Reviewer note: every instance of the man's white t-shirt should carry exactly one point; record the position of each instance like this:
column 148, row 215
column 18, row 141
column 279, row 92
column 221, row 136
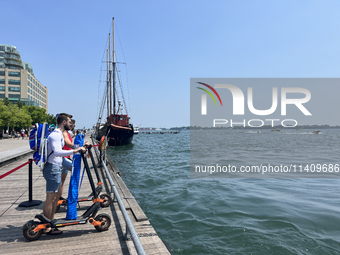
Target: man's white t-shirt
column 56, row 143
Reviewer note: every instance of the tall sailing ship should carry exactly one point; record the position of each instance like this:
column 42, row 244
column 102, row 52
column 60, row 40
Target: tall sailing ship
column 117, row 125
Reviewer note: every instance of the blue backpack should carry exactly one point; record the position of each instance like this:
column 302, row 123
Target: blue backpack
column 38, row 143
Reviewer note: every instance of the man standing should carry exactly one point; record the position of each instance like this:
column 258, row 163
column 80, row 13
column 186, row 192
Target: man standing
column 53, row 167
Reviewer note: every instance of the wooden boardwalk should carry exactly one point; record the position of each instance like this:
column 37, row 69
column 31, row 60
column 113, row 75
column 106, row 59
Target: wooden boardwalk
column 77, row 239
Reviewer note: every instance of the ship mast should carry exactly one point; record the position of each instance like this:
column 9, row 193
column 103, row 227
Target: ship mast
column 114, row 65
column 110, row 75
column 107, row 83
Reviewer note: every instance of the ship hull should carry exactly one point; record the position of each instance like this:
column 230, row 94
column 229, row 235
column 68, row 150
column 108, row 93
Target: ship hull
column 116, row 137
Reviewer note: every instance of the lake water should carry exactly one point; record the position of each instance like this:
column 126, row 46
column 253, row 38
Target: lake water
column 236, row 215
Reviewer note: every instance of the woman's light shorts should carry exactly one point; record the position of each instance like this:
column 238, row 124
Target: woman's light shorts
column 67, row 164
column 52, row 175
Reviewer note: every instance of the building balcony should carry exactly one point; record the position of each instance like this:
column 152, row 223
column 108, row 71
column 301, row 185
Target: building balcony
column 9, row 65
column 13, row 59
column 12, row 52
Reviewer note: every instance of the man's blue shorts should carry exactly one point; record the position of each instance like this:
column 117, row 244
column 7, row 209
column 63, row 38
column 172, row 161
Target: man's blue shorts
column 52, row 175
column 67, row 164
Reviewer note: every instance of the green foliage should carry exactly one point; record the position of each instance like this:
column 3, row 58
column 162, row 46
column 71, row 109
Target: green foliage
column 3, row 109
column 20, row 104
column 51, row 119
column 38, row 114
column 6, row 101
column 21, row 116
column 6, row 116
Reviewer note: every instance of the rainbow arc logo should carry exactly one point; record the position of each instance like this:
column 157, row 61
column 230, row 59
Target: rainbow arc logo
column 209, row 93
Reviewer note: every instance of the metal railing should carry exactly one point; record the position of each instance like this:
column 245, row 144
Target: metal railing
column 130, row 230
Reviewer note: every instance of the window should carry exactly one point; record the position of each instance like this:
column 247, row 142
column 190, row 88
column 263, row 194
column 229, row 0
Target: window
column 2, row 88
column 14, row 82
column 2, row 73
column 15, row 74
column 28, row 83
column 2, row 81
column 14, row 89
column 13, row 95
column 2, row 95
column 28, row 77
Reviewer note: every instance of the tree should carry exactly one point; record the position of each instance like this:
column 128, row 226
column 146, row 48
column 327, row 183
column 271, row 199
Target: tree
column 20, row 115
column 6, row 101
column 51, row 119
column 2, row 110
column 6, row 115
column 38, row 114
column 20, row 103
column 23, row 117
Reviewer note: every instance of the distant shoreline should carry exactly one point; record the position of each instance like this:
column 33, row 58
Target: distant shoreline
column 315, row 127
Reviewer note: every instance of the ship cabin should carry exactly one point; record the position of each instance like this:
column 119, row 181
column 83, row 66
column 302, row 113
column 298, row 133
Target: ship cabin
column 119, row 120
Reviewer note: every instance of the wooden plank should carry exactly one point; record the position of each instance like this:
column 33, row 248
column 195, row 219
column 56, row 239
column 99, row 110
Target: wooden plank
column 127, row 196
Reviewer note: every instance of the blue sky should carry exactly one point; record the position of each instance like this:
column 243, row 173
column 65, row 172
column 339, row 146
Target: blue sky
column 165, row 43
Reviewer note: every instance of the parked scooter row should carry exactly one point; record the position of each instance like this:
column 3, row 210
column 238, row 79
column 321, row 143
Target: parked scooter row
column 104, row 199
column 32, row 229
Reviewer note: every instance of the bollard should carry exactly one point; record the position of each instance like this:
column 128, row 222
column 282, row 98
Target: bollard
column 30, row 201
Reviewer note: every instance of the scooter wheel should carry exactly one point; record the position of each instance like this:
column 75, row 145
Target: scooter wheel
column 28, row 231
column 107, row 200
column 105, row 218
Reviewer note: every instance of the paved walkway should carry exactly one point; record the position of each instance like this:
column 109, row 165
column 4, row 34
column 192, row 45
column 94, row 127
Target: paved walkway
column 78, row 239
column 13, row 148
column 9, row 144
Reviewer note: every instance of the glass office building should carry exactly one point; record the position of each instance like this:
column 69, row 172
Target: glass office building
column 17, row 80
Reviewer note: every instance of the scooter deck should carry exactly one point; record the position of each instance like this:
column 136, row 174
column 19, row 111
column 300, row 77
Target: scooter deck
column 64, row 222
column 54, row 222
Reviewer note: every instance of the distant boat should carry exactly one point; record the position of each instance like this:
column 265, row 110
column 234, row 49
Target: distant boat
column 277, row 129
column 136, row 130
column 316, row 132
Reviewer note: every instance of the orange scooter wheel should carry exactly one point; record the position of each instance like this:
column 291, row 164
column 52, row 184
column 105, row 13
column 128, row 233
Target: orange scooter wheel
column 28, row 231
column 107, row 200
column 106, row 222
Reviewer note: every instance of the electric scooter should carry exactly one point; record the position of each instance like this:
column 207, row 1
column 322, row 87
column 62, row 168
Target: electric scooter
column 104, row 199
column 32, row 230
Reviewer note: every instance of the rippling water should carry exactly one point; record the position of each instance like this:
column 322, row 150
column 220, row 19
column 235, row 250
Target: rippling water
column 236, row 216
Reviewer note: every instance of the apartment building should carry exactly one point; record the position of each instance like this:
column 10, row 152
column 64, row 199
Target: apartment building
column 17, row 80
